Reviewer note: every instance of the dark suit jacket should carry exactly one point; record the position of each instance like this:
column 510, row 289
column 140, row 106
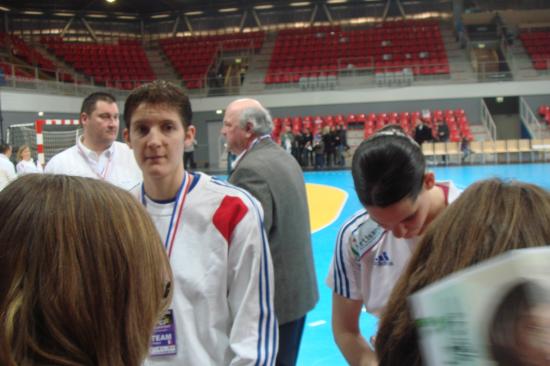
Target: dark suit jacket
column 274, row 177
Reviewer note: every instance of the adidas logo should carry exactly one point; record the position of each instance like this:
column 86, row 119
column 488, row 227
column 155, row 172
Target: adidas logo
column 383, row 260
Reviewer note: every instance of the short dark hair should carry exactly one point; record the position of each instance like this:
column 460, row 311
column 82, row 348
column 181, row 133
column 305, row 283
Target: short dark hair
column 4, row 147
column 159, row 92
column 89, row 103
column 388, row 167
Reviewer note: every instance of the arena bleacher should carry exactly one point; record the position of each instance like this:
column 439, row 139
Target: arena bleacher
column 385, row 56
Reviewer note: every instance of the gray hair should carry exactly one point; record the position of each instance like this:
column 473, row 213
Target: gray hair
column 260, row 119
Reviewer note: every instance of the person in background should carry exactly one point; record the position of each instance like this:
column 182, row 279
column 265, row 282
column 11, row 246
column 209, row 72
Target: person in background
column 488, row 219
column 189, row 154
column 222, row 312
column 7, row 170
column 272, row 176
column 422, row 132
column 287, row 140
column 25, row 164
column 96, row 154
column 373, row 247
column 83, row 275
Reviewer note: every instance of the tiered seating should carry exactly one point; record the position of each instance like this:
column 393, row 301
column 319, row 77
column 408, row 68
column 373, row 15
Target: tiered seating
column 457, row 121
column 123, row 65
column 16, row 46
column 192, row 57
column 537, row 45
column 389, row 47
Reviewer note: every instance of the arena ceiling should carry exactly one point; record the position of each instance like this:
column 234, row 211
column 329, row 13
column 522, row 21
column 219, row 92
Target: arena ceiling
column 148, row 7
column 144, row 7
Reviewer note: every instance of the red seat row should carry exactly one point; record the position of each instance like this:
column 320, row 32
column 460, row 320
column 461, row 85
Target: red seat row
column 537, row 45
column 388, row 47
column 456, row 120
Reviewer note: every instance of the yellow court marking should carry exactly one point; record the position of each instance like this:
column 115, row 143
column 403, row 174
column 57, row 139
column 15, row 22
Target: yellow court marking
column 325, row 204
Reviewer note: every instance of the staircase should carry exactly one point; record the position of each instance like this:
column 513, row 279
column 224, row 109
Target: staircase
column 257, row 66
column 160, row 65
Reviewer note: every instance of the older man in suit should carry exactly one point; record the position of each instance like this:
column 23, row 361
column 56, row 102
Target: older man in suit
column 272, row 176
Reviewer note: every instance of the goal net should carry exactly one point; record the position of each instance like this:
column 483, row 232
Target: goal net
column 46, row 137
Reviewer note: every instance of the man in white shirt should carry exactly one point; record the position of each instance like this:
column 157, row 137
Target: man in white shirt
column 96, row 154
column 7, row 169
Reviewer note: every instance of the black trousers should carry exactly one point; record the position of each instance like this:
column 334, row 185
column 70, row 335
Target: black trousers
column 290, row 336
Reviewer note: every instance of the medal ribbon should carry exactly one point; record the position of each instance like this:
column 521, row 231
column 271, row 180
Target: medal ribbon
column 176, row 212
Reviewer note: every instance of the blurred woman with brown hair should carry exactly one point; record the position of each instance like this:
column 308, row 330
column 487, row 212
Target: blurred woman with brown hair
column 489, row 218
column 83, row 274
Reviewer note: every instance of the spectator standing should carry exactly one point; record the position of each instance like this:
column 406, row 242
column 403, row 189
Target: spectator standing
column 422, row 132
column 222, row 311
column 287, row 140
column 96, row 154
column 373, row 247
column 276, row 180
column 189, row 154
column 307, row 148
column 26, row 165
column 7, row 170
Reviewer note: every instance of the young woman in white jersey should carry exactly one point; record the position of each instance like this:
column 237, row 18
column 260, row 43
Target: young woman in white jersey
column 222, row 312
column 373, row 247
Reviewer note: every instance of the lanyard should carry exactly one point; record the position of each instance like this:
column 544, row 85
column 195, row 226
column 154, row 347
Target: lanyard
column 105, row 172
column 177, row 212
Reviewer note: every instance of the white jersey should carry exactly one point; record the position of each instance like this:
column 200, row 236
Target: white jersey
column 116, row 165
column 223, row 291
column 7, row 171
column 28, row 167
column 368, row 260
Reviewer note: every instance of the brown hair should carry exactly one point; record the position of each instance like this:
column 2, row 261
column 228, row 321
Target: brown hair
column 89, row 103
column 83, row 273
column 22, row 148
column 159, row 92
column 489, row 218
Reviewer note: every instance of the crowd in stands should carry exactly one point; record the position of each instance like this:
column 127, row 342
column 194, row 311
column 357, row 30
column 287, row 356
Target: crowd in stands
column 313, row 142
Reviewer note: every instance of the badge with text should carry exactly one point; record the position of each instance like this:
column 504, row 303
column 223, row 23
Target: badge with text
column 365, row 238
column 163, row 340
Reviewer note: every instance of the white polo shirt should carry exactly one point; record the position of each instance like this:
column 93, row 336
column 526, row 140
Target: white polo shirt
column 115, row 165
column 7, row 171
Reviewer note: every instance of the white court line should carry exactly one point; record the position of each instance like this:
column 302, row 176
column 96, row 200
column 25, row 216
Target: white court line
column 317, row 323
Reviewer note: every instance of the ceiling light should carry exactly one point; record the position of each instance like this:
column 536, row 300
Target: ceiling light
column 219, row 111
column 227, row 10
column 300, row 3
column 127, row 17
column 3, row 8
column 265, row 6
column 96, row 15
column 40, row 114
column 198, row 12
column 160, row 16
column 33, row 12
column 110, row 1
column 63, row 14
column 336, row 1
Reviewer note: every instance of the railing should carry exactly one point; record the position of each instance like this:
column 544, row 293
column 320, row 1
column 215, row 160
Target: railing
column 487, row 121
column 529, row 119
column 344, row 77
